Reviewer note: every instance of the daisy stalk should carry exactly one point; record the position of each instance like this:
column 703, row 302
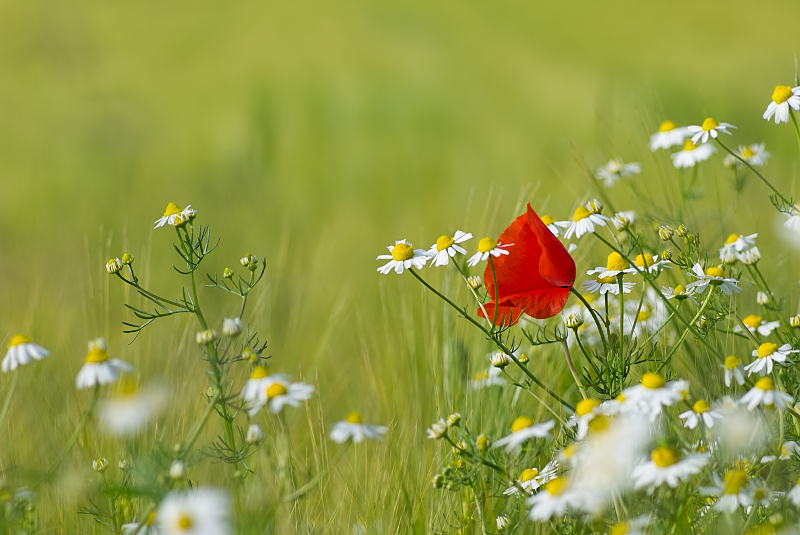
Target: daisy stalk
column 753, row 169
column 9, row 394
column 796, row 127
column 686, row 331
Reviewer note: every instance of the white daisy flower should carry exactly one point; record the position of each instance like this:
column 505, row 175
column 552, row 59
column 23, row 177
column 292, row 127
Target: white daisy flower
column 260, row 380
column 176, row 216
column 194, row 512
column 730, row 491
column 756, row 155
column 793, row 223
column 614, row 170
column 794, row 494
column 486, row 247
column 669, row 135
column 590, row 414
column 623, row 220
column 438, row 429
column 692, row 154
column 531, row 479
column 281, row 393
column 607, row 285
column 650, row 263
column 733, row 370
column 128, row 410
column 735, row 245
column 679, row 292
column 767, row 355
column 446, row 248
column 148, row 527
column 232, row 326
column 750, row 256
column 755, row 324
column 615, row 265
column 353, row 428
column 557, row 498
column 788, row 449
column 554, row 226
column 523, row 429
column 654, row 393
column 783, row 98
column 403, row 256
column 764, row 393
column 667, row 467
column 177, row 470
column 488, row 377
column 583, row 221
column 21, row 350
column 714, row 276
column 701, row 412
column 254, row 434
column 634, row 526
column 709, row 128
column 98, row 368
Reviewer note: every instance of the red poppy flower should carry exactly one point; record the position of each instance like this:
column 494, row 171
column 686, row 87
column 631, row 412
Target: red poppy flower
column 534, row 278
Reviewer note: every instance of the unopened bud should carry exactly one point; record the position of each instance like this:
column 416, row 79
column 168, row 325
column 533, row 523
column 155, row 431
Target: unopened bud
column 665, row 233
column 573, row 321
column 454, row 419
column 114, row 266
column 100, row 464
column 683, row 231
column 794, row 321
column 482, row 443
column 523, row 358
column 474, row 282
column 500, row 360
column 438, row 481
column 231, row 326
column 177, row 470
column 123, row 465
column 206, row 337
column 228, row 273
column 249, row 354
column 254, row 434
column 127, row 259
column 250, row 261
column 666, row 255
column 594, row 206
column 762, row 298
column 460, row 448
column 211, row 392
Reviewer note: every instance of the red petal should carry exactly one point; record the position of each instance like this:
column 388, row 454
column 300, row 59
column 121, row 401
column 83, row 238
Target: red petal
column 556, row 265
column 507, row 314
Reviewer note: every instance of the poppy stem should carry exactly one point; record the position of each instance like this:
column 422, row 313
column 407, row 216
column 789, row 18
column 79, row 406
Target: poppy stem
column 595, row 316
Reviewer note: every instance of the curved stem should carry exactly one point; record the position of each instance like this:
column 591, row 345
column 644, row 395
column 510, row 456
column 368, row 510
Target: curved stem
column 686, row 331
column 595, row 316
column 7, row 403
column 753, row 169
column 572, row 370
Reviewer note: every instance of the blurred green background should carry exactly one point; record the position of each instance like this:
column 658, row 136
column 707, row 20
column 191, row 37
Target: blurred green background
column 316, row 133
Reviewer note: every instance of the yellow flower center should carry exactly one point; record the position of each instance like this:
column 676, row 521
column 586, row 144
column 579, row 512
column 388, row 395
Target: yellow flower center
column 759, row 494
column 444, row 242
column 570, row 450
column 125, row 389
column 731, row 362
column 528, row 474
column 479, row 376
column 732, row 238
column 767, row 349
column 581, row 213
column 644, row 315
column 184, row 523
column 781, row 94
column 402, row 251
column 752, row 321
column 259, row 372
column 520, row 423
column 621, row 398
column 96, row 356
column 664, row 457
column 680, row 290
column 150, row 519
column 715, row 272
column 585, row 406
column 666, row 126
column 644, row 260
column 276, row 389
column 653, row 381
column 765, row 383
column 709, row 124
column 701, row 406
column 486, row 245
column 734, row 481
column 598, row 423
column 172, row 209
column 616, row 262
column 688, row 146
column 19, row 339
column 607, row 280
column 556, row 486
column 618, row 529
column 547, row 220
column 748, row 153
column 354, row 418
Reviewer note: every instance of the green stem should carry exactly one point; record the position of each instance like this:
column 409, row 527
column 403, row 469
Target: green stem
column 496, row 296
column 572, row 370
column 753, row 169
column 9, row 394
column 686, row 331
column 796, row 128
column 594, row 315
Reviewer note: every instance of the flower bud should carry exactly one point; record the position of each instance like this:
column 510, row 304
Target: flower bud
column 438, row 481
column 211, row 392
column 254, row 434
column 177, row 470
column 503, row 523
column 206, row 337
column 474, row 282
column 762, row 298
column 127, row 259
column 123, row 465
column 794, row 321
column 100, row 464
column 523, row 358
column 232, row 327
column 683, row 231
column 250, row 261
column 665, row 233
column 114, row 266
column 666, row 255
column 500, row 360
column 594, row 206
column 482, row 443
column 459, row 448
column 573, row 321
column 249, row 354
column 454, row 419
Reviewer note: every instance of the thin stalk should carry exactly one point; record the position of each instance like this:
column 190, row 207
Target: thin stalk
column 746, row 329
column 573, row 371
column 302, row 491
column 9, row 394
column 753, row 169
column 496, row 295
column 796, row 128
column 686, row 331
column 595, row 315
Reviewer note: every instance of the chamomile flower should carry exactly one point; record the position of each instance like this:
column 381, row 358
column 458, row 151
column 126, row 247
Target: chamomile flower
column 623, row 220
column 176, row 216
column 128, row 410
column 614, row 170
column 731, row 491
column 553, row 225
column 531, row 479
column 751, row 256
column 653, row 393
column 794, row 494
column 148, row 527
column 260, row 380
column 709, row 128
column 783, row 98
column 589, row 415
column 680, row 293
column 557, row 498
column 607, row 285
column 701, row 412
column 583, row 221
column 487, row 378
column 714, row 276
column 194, row 512
column 615, row 265
column 446, row 248
column 98, row 368
column 755, row 324
column 793, row 223
column 767, row 355
column 503, row 523
column 788, row 449
column 666, row 466
column 280, row 394
column 21, row 351
column 650, row 263
column 486, row 247
column 402, row 257
column 634, row 526
column 353, row 428
column 669, row 135
column 764, row 393
column 232, row 326
column 254, row 434
column 438, row 429
column 735, row 245
column 692, row 154
column 755, row 154
column 523, row 429
column 733, row 370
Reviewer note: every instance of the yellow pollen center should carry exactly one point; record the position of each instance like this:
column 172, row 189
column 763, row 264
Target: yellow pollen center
column 486, row 245
column 556, row 486
column 748, row 153
column 598, row 423
column 581, row 213
column 666, row 126
column 521, row 422
column 618, row 529
column 585, row 406
column 96, row 356
column 402, row 251
column 732, row 238
column 765, row 383
column 734, row 481
column 18, row 339
column 680, row 290
column 701, row 406
column 547, row 220
column 652, row 381
column 275, row 390
column 709, row 124
column 444, row 242
column 781, row 94
column 479, row 376
column 172, row 209
column 752, row 321
column 354, row 418
column 767, row 349
column 607, row 280
column 664, row 457
column 616, row 262
column 759, row 494
column 184, row 522
column 688, row 146
column 259, row 372
column 644, row 315
column 528, row 474
column 715, row 272
column 731, row 362
column 644, row 260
